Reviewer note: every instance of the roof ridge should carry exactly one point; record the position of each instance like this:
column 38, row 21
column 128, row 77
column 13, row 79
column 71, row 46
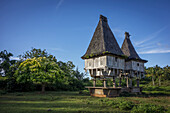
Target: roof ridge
column 102, row 32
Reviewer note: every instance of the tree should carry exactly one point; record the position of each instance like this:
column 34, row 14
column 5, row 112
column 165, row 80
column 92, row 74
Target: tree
column 37, row 53
column 78, row 75
column 5, row 62
column 39, row 70
column 151, row 73
column 67, row 68
column 166, row 73
column 159, row 73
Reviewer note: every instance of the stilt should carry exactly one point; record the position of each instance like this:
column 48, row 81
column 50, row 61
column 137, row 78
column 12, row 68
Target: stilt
column 130, row 82
column 127, row 82
column 114, row 83
column 94, row 82
column 137, row 80
column 104, row 82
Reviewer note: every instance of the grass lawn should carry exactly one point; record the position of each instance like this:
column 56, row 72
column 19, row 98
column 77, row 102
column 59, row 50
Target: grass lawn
column 67, row 101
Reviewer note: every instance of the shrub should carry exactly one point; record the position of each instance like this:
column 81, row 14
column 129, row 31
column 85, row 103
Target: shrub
column 123, row 105
column 148, row 108
column 86, row 92
column 126, row 105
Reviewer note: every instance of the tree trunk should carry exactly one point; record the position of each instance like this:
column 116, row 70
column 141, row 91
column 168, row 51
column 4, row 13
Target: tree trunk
column 160, row 81
column 153, row 82
column 43, row 88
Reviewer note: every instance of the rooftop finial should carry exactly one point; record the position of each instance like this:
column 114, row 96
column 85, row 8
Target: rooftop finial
column 127, row 35
column 103, row 18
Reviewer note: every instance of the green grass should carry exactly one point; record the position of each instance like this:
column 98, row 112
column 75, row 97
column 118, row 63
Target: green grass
column 67, row 101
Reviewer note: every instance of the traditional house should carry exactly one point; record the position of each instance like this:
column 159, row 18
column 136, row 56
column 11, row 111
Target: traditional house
column 134, row 65
column 104, row 59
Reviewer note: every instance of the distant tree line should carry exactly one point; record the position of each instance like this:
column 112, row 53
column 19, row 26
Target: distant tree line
column 38, row 70
column 158, row 74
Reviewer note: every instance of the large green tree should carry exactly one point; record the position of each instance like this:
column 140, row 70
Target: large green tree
column 39, row 70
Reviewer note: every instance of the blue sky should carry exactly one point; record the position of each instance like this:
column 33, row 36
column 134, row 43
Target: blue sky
column 65, row 27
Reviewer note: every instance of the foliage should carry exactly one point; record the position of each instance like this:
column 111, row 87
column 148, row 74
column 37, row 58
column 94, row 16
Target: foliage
column 37, row 53
column 126, row 105
column 38, row 70
column 158, row 74
column 85, row 92
column 148, row 108
column 5, row 62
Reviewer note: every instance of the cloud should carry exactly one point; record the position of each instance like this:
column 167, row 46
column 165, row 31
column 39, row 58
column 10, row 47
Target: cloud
column 119, row 32
column 149, row 38
column 152, row 45
column 155, row 51
column 14, row 58
column 59, row 4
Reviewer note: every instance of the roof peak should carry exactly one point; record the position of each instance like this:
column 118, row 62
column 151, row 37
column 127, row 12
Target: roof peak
column 127, row 35
column 103, row 18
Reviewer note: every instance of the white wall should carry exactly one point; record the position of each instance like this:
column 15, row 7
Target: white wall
column 138, row 66
column 112, row 63
column 98, row 62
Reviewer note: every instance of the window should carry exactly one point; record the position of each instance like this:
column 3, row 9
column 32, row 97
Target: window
column 137, row 64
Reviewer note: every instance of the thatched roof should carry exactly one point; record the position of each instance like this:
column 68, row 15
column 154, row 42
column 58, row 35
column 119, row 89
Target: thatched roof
column 103, row 41
column 128, row 49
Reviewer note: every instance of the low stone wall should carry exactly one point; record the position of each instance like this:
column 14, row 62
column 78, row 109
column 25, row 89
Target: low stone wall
column 132, row 89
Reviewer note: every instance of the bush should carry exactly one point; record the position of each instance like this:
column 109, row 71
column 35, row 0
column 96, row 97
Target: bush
column 148, row 108
column 126, row 105
column 112, row 103
column 86, row 92
column 121, row 104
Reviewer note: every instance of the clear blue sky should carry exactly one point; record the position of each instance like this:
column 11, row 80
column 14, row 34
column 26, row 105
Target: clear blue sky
column 65, row 27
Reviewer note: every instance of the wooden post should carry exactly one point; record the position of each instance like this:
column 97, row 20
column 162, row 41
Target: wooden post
column 137, row 80
column 130, row 82
column 114, row 84
column 127, row 81
column 94, row 82
column 104, row 82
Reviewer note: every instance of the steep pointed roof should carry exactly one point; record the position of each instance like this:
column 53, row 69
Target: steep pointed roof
column 128, row 49
column 103, row 41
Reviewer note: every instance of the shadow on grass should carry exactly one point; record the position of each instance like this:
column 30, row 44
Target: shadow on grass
column 57, row 106
column 156, row 89
column 145, row 95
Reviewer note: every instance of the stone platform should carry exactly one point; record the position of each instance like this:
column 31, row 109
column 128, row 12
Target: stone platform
column 104, row 91
column 111, row 91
